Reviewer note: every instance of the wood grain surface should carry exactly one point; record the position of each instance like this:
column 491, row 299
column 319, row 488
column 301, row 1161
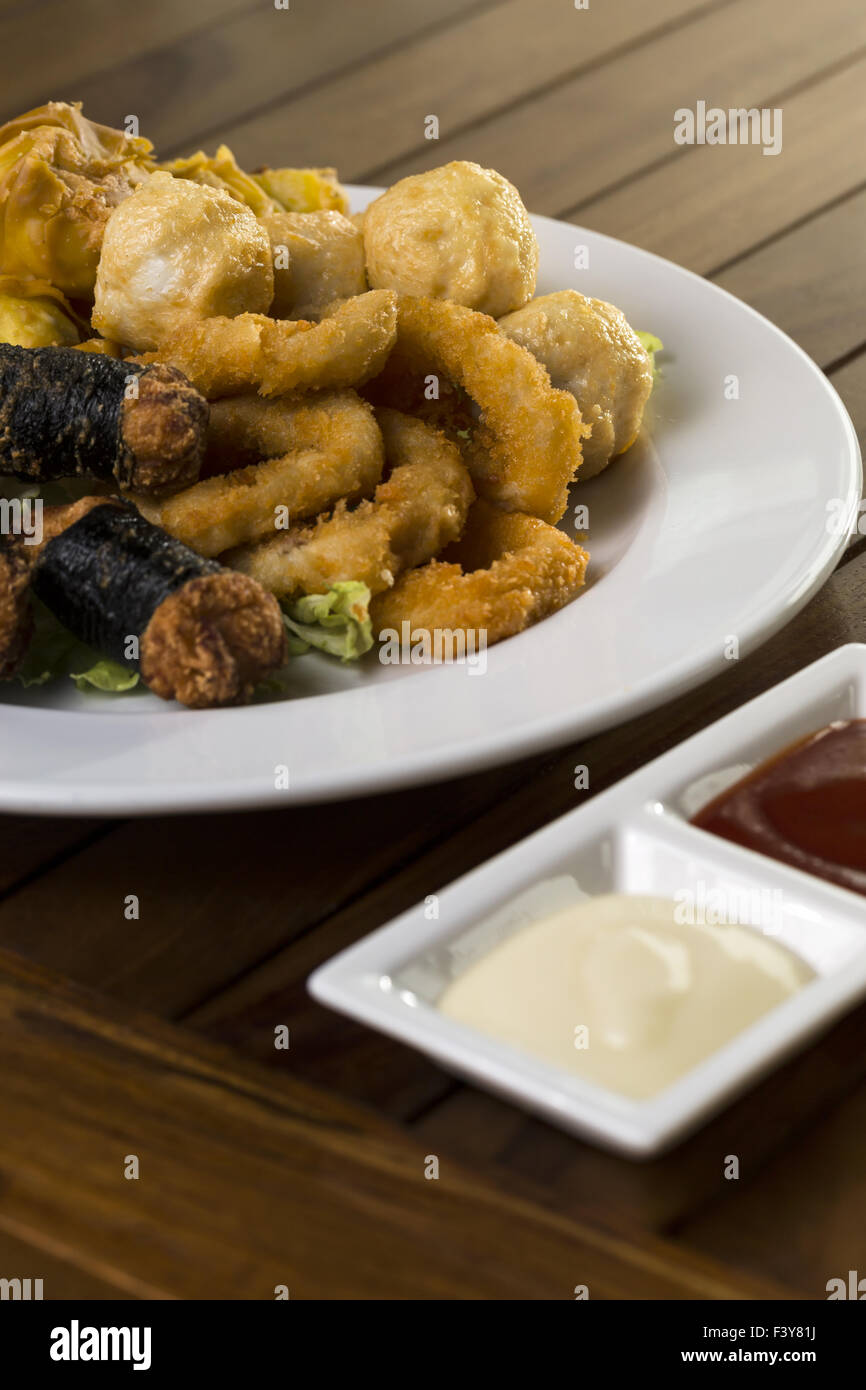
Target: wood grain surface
column 261, row 1167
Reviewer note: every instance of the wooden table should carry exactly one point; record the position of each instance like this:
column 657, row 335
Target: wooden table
column 261, row 1167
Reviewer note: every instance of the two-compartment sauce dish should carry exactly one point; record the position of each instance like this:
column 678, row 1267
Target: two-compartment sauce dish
column 629, row 968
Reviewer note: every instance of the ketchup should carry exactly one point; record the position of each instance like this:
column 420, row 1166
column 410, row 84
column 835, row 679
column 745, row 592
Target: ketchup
column 805, row 807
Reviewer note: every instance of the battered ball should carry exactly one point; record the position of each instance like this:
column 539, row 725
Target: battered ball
column 460, row 233
column 590, row 350
column 325, row 261
column 175, row 251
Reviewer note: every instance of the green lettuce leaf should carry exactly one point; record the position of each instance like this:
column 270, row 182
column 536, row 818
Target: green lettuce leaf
column 110, row 676
column 49, row 649
column 652, row 345
column 55, row 652
column 337, row 622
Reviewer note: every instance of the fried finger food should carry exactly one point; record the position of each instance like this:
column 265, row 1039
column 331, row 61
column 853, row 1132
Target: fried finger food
column 303, row 190
column 206, row 636
column 421, row 507
column 314, row 453
column 506, row 572
column 65, row 413
column 61, row 177
column 526, row 449
column 459, row 232
column 236, row 317
column 35, row 314
column 267, row 190
column 318, row 258
column 16, row 617
column 223, row 356
column 175, row 252
column 589, row 349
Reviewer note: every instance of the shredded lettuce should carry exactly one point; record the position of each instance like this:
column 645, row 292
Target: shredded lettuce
column 337, row 622
column 652, row 345
column 55, row 652
column 110, row 676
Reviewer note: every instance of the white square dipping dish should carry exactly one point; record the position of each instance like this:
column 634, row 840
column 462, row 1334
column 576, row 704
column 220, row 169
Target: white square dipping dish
column 633, row 838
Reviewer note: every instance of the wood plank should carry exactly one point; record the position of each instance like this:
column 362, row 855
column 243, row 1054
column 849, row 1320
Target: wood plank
column 187, row 90
column 30, row 844
column 729, row 198
column 850, row 382
column 220, row 893
column 812, row 281
column 47, row 52
column 765, row 1129
column 329, row 1051
column 819, row 1187
column 61, row 1276
column 584, row 136
column 526, row 44
column 243, row 1186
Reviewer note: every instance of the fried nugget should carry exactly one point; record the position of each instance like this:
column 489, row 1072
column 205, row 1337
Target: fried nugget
column 590, row 350
column 421, row 507
column 223, row 356
column 506, row 572
column 526, row 449
column 459, row 232
column 313, row 453
column 175, row 252
column 325, row 261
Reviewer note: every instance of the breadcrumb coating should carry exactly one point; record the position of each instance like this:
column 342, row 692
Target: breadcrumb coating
column 421, row 507
column 506, row 572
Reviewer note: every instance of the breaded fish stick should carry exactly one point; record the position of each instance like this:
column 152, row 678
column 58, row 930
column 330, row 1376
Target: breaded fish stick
column 421, row 507
column 222, row 356
column 527, row 448
column 329, row 448
column 506, row 572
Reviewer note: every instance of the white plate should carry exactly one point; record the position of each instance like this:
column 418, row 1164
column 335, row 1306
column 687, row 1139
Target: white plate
column 633, row 838
column 713, row 527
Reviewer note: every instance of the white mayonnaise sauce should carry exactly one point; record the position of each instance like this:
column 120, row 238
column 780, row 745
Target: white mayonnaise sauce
column 617, row 991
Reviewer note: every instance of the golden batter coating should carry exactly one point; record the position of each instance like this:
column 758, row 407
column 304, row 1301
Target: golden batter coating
column 325, row 253
column 526, row 449
column 174, row 252
column 163, row 430
column 590, row 350
column 421, row 507
column 223, row 356
column 506, row 572
column 211, row 642
column 459, row 232
column 312, row 451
